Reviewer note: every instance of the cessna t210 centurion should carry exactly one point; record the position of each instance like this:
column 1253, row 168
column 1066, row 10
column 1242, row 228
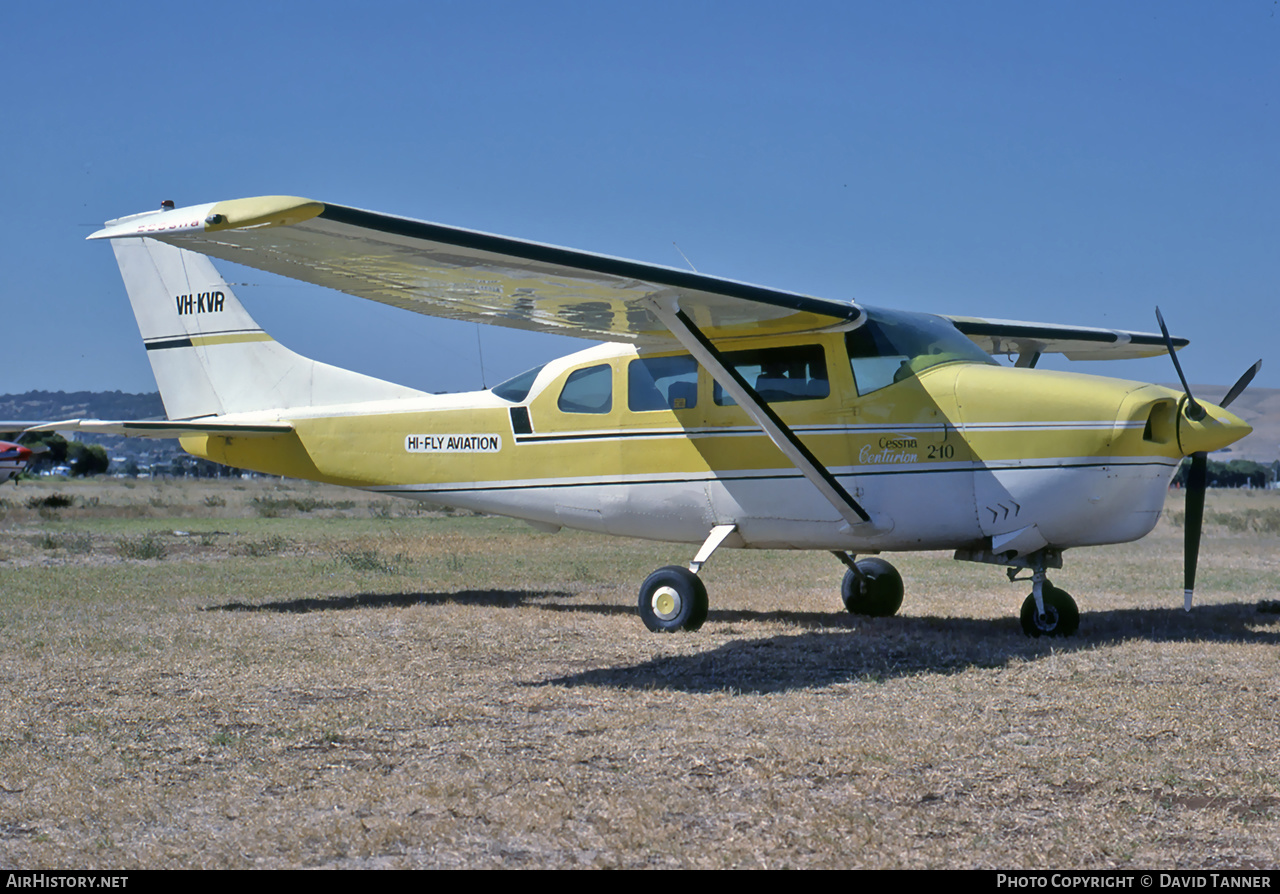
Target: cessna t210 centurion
column 717, row 413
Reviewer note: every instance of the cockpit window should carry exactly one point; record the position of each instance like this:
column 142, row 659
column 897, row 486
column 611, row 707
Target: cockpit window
column 895, row 345
column 517, row 389
column 588, row 390
column 798, row 372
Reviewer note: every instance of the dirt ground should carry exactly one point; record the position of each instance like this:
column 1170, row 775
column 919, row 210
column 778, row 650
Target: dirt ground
column 266, row 674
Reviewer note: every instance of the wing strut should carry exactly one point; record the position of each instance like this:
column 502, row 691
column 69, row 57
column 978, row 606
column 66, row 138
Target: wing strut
column 697, row 344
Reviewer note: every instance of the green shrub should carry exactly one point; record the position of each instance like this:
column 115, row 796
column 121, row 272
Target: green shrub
column 148, row 546
column 271, row 546
column 369, row 560
column 79, row 543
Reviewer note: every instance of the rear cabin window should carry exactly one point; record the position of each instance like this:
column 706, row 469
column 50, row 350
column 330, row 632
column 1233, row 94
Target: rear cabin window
column 588, row 390
column 780, row 374
column 662, row 383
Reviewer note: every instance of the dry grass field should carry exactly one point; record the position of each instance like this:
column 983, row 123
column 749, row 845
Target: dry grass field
column 258, row 674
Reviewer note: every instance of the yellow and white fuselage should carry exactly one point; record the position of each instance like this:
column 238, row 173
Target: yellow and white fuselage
column 959, row 455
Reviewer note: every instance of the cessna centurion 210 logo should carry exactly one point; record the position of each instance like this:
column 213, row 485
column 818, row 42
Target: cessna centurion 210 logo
column 892, row 449
column 453, row 443
column 200, row 303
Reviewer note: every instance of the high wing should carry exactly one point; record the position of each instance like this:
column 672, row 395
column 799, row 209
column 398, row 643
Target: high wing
column 1076, row 342
column 467, row 275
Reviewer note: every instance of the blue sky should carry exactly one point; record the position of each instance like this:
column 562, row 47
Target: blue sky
column 1060, row 162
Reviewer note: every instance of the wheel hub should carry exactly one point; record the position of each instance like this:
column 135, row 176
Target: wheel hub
column 1049, row 620
column 666, row 603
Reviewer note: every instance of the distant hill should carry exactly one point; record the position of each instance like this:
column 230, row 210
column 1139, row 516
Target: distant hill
column 53, row 405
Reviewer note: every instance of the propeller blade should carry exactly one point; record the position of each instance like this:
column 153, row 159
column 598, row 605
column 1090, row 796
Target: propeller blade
column 1242, row 383
column 1194, row 410
column 1197, row 481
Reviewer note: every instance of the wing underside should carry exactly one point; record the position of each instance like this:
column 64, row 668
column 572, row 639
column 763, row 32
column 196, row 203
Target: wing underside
column 467, row 275
column 1076, row 342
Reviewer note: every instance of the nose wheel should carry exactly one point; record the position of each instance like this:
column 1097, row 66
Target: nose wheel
column 1059, row 618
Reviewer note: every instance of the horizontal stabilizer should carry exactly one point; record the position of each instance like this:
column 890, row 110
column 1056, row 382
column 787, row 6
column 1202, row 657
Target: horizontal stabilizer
column 168, row 428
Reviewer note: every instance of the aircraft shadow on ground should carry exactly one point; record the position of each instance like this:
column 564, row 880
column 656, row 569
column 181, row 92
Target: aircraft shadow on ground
column 835, row 647
column 847, row 649
column 489, row 598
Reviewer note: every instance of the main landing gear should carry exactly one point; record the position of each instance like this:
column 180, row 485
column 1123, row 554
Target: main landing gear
column 870, row 587
column 671, row 599
column 674, row 598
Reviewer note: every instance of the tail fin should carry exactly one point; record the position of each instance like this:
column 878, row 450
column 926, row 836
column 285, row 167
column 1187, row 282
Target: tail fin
column 208, row 355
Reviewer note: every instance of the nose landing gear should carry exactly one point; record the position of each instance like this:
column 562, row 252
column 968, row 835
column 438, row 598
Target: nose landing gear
column 1049, row 611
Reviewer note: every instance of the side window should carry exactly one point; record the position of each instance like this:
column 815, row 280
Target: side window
column 780, row 374
column 662, row 383
column 588, row 390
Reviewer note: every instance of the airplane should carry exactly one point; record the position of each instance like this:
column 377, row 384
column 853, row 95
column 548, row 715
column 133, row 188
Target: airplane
column 716, row 413
column 13, row 460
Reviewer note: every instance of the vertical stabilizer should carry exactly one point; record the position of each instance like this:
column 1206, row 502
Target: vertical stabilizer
column 208, row 355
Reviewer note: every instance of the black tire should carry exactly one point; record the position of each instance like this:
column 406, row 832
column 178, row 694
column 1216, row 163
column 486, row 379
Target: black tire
column 1061, row 616
column 882, row 595
column 671, row 599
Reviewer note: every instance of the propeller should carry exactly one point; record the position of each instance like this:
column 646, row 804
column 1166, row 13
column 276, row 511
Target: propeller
column 1198, row 474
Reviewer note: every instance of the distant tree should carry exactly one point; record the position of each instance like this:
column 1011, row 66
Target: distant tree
column 87, row 459
column 1243, row 473
column 1236, row 473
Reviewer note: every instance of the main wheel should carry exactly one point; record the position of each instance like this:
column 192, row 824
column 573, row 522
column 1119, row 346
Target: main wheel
column 673, row 598
column 1060, row 618
column 880, row 597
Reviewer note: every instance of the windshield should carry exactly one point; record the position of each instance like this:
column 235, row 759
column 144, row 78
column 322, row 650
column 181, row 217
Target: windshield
column 894, row 345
